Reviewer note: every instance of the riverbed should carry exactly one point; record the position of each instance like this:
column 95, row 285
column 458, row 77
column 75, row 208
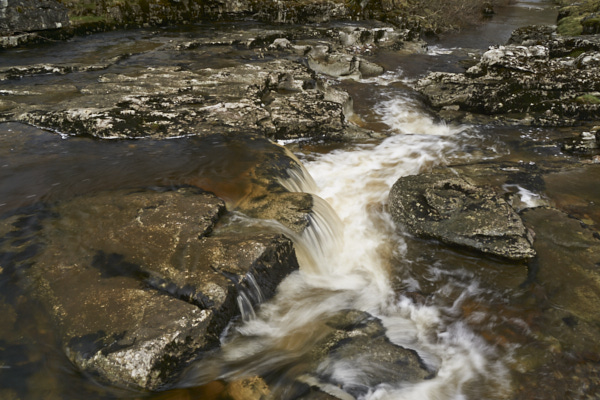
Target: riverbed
column 489, row 328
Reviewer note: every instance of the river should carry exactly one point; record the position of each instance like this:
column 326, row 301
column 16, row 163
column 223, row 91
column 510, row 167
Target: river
column 471, row 319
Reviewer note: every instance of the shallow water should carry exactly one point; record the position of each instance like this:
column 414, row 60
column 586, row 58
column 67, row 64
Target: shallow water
column 479, row 323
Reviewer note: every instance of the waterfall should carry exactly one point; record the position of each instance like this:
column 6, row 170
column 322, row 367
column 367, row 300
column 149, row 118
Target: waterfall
column 249, row 297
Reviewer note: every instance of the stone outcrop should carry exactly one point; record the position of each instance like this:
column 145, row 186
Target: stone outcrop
column 456, row 212
column 137, row 13
column 29, row 21
column 577, row 18
column 300, row 11
column 137, row 282
column 20, row 16
column 281, row 93
column 538, row 79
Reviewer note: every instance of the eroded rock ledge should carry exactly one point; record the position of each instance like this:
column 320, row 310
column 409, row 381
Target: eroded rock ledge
column 275, row 88
column 267, row 98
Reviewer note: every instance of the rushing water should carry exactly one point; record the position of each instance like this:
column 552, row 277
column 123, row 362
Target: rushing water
column 456, row 310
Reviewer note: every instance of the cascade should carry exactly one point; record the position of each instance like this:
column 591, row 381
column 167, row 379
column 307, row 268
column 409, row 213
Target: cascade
column 346, row 256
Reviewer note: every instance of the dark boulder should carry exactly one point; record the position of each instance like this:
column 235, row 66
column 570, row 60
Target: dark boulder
column 456, row 212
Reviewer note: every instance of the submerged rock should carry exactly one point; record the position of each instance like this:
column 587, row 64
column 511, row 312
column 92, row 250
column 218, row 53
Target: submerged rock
column 456, row 212
column 565, row 284
column 138, row 283
column 567, row 247
column 356, row 356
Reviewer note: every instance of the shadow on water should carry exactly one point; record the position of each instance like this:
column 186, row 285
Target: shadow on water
column 40, row 166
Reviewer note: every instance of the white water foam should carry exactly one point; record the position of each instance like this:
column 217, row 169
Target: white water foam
column 404, row 114
column 436, row 50
column 526, row 198
column 356, row 183
column 385, row 79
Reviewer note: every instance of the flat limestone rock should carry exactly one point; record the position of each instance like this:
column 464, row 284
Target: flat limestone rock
column 456, row 212
column 137, row 282
column 121, row 331
column 278, row 99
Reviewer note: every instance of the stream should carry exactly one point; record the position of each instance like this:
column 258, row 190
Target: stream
column 479, row 322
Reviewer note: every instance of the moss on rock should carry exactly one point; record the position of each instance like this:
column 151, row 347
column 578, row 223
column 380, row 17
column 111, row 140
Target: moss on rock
column 588, row 99
column 576, row 18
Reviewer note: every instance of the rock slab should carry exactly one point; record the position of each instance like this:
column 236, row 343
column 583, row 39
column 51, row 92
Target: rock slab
column 137, row 282
column 537, row 79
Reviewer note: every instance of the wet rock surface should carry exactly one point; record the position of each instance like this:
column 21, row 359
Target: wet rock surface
column 568, row 323
column 358, row 345
column 136, row 282
column 175, row 101
column 538, row 79
column 165, row 291
column 456, row 212
column 272, row 82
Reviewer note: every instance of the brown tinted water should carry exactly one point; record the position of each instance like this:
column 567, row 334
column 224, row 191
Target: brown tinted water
column 496, row 329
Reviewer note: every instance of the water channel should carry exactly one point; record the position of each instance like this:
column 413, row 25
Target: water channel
column 474, row 320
